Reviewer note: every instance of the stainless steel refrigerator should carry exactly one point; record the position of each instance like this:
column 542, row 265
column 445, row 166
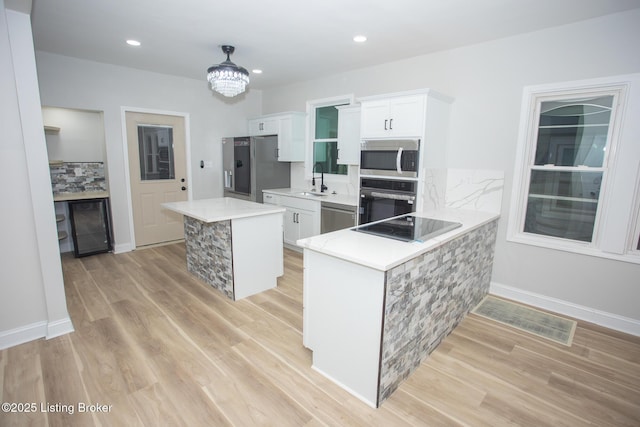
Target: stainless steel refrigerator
column 250, row 165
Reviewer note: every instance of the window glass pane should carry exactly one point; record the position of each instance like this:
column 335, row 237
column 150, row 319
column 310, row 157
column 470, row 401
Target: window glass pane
column 326, row 122
column 573, row 132
column 563, row 204
column 155, row 149
column 325, row 155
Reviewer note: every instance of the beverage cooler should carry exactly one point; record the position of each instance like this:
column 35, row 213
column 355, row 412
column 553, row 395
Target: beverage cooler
column 90, row 226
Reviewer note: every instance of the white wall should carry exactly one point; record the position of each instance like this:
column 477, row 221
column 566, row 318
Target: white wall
column 81, row 135
column 486, row 81
column 73, row 83
column 32, row 298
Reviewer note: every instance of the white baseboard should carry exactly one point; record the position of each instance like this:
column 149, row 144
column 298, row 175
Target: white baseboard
column 35, row 331
column 348, row 389
column 602, row 318
column 122, row 248
column 22, row 334
column 59, row 327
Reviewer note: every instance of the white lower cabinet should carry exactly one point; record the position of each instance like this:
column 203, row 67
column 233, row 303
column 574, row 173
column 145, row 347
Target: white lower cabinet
column 343, row 305
column 298, row 225
column 302, row 218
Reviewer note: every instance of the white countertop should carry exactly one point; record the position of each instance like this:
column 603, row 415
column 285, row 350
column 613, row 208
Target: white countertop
column 343, row 199
column 382, row 253
column 221, row 209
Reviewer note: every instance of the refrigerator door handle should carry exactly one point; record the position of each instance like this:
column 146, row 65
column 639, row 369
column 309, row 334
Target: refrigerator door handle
column 228, row 179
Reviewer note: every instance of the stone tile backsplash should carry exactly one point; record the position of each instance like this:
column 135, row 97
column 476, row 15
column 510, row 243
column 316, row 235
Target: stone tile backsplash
column 209, row 254
column 427, row 297
column 77, row 177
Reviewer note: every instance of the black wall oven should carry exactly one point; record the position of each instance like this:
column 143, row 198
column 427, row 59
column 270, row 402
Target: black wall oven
column 394, row 158
column 385, row 198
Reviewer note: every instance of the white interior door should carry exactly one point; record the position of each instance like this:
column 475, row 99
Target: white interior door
column 157, row 170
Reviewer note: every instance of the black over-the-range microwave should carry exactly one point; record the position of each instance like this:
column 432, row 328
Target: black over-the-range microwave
column 393, row 158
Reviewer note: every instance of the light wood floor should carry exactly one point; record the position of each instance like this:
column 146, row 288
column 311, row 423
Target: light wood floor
column 162, row 348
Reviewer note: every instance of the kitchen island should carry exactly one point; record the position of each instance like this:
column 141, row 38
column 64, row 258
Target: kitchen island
column 233, row 245
column 375, row 307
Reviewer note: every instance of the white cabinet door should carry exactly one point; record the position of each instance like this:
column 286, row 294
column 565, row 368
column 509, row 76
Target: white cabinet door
column 291, row 137
column 348, row 135
column 291, row 228
column 302, row 218
column 263, row 126
column 395, row 117
column 306, row 225
column 290, row 128
column 407, row 115
column 374, row 119
column 298, row 224
column 286, row 142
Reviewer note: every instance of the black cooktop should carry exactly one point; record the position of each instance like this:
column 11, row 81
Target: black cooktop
column 409, row 228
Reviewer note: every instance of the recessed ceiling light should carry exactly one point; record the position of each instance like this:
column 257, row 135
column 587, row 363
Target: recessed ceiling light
column 133, row 42
column 360, row 39
column 256, row 71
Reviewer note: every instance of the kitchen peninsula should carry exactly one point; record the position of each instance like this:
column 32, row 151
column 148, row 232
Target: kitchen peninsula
column 375, row 307
column 233, row 245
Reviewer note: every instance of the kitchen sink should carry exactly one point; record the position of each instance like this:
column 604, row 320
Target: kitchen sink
column 309, row 193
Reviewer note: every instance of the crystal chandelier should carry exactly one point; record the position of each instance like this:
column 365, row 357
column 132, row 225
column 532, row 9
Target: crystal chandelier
column 227, row 78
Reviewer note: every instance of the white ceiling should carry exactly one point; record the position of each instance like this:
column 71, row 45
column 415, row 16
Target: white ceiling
column 291, row 40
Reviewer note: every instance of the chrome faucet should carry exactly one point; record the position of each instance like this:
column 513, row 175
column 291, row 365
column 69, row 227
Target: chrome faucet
column 313, row 177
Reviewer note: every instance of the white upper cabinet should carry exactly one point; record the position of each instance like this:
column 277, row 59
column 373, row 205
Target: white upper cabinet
column 348, row 135
column 401, row 116
column 263, row 126
column 290, row 128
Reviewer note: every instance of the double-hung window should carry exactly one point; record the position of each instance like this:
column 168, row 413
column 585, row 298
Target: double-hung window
column 567, row 166
column 325, row 141
column 569, row 193
column 324, row 135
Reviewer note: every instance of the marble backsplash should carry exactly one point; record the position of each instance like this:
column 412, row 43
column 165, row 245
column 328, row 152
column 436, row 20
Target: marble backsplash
column 472, row 189
column 77, row 177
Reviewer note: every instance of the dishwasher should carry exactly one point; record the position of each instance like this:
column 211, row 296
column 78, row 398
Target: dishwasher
column 336, row 216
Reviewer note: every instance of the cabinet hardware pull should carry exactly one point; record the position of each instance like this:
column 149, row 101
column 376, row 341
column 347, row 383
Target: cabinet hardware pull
column 390, row 124
column 385, row 124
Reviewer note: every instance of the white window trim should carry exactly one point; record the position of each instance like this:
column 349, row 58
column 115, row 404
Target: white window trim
column 311, row 119
column 615, row 229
